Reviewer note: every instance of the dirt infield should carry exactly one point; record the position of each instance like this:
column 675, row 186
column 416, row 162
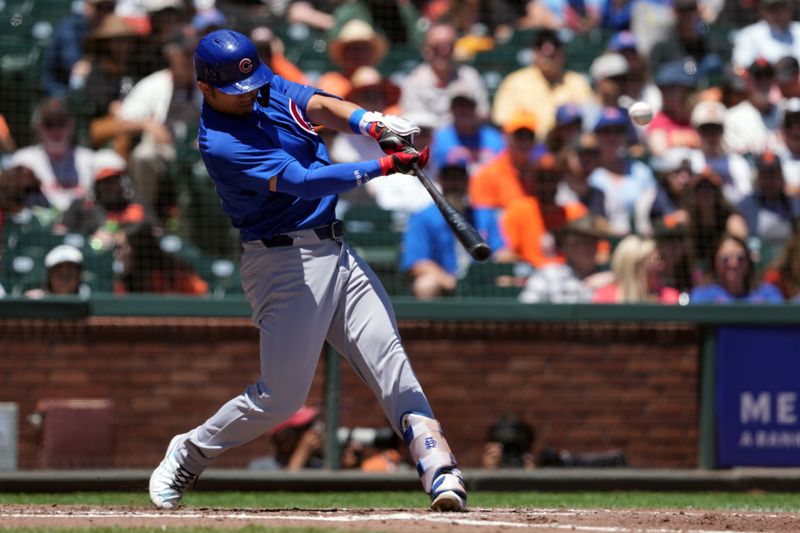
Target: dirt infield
column 386, row 520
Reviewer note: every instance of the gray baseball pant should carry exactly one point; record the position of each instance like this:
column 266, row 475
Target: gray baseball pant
column 302, row 295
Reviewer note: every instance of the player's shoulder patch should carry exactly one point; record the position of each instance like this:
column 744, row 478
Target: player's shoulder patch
column 299, row 118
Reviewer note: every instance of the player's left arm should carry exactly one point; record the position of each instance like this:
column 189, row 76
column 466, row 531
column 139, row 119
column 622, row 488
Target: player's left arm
column 393, row 134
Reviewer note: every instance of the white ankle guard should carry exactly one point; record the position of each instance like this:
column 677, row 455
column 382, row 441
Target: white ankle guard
column 428, row 447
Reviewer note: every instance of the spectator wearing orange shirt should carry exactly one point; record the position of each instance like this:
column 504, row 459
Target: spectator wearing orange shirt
column 529, row 222
column 495, row 185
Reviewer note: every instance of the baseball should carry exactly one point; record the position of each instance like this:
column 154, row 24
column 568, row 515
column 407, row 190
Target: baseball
column 641, row 113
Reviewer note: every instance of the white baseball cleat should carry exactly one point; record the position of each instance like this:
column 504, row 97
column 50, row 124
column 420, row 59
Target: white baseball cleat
column 170, row 479
column 448, row 493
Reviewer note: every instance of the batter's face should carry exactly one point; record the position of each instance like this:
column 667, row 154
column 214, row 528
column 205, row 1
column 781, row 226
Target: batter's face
column 232, row 104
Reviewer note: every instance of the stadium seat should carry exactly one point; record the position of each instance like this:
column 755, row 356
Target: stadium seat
column 491, row 280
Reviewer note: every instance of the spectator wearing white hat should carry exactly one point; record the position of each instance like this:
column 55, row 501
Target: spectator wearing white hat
column 708, row 118
column 64, row 265
column 609, row 72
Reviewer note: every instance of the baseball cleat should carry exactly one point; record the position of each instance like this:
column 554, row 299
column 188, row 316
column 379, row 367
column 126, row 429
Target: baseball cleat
column 449, row 493
column 170, row 479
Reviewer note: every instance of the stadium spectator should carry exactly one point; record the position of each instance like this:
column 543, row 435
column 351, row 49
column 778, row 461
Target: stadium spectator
column 64, row 265
column 207, row 20
column 790, row 151
column 616, row 14
column 775, row 36
column 675, row 249
column 784, row 271
column 787, row 75
column 496, row 184
column 64, row 169
column 638, row 275
column 609, row 72
column 20, row 193
column 568, row 126
column 431, row 256
column 671, row 127
column 7, row 143
column 771, row 215
column 146, row 267
column 270, row 50
column 734, row 277
column 691, row 40
column 109, row 208
column 425, row 88
column 663, row 206
column 528, row 223
column 164, row 18
column 546, row 79
column 355, row 45
column 108, row 71
column 710, row 216
column 572, row 280
column 314, row 13
column 752, row 126
column 578, row 160
column 580, row 17
column 708, row 118
column 398, row 21
column 621, row 179
column 509, row 444
column 638, row 85
column 469, row 140
column 163, row 112
column 297, row 443
column 66, row 45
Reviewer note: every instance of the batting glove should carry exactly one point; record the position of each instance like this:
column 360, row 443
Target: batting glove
column 402, row 162
column 393, row 134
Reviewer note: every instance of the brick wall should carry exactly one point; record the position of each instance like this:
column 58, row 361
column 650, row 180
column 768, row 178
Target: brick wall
column 583, row 387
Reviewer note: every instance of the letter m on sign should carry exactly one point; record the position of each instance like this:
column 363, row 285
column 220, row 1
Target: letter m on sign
column 754, row 409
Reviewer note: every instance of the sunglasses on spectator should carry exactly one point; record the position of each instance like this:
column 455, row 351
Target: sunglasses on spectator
column 54, row 123
column 710, row 128
column 729, row 259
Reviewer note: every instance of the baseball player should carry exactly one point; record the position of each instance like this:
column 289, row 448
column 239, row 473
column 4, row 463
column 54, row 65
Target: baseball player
column 305, row 285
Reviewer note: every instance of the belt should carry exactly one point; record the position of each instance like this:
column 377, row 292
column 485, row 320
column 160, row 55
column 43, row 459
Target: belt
column 331, row 231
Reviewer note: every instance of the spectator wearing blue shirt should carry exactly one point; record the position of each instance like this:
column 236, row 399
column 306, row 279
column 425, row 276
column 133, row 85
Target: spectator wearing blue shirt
column 734, row 274
column 66, row 46
column 469, row 140
column 431, row 255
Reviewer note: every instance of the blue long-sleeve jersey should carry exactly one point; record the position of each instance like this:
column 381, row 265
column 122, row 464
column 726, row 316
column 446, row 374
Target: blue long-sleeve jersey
column 271, row 169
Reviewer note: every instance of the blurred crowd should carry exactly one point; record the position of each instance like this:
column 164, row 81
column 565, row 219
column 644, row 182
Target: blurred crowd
column 578, row 203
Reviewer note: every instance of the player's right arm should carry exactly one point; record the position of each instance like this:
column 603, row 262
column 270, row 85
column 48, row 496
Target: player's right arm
column 251, row 162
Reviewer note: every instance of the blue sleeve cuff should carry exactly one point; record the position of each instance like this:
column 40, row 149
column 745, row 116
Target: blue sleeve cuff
column 355, row 120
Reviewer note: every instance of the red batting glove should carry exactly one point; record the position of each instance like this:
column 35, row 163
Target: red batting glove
column 390, row 141
column 401, row 162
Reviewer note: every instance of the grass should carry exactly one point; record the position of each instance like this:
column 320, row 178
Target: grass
column 756, row 502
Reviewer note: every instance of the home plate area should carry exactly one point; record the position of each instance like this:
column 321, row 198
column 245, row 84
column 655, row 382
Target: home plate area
column 540, row 520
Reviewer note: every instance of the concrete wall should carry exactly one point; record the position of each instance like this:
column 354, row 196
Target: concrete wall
column 584, row 387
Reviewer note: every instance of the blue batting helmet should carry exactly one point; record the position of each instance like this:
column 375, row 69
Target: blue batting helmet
column 229, row 61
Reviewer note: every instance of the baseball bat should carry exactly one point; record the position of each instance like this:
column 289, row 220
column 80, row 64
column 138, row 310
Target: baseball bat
column 463, row 230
